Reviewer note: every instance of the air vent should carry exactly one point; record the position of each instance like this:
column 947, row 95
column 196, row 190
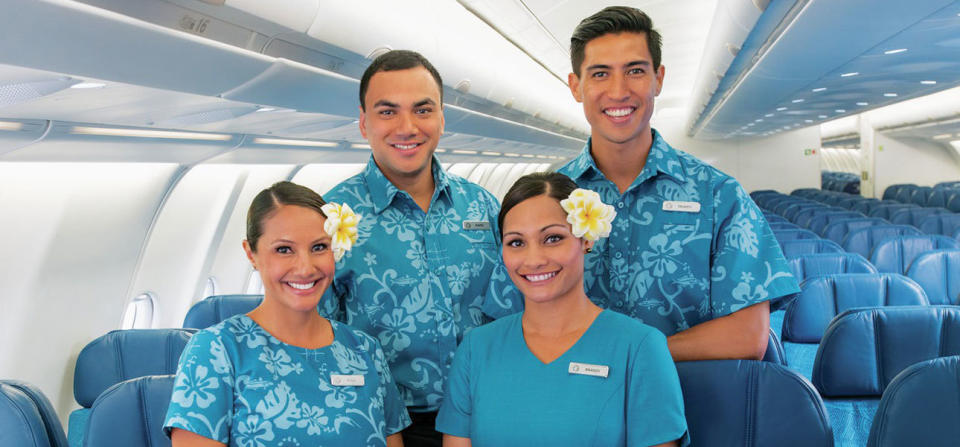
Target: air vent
column 28, row 90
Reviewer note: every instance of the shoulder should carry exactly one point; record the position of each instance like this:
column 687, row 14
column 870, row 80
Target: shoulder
column 352, row 337
column 339, row 192
column 491, row 332
column 458, row 183
column 630, row 328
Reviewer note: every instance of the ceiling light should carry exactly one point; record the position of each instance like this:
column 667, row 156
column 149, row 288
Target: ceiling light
column 527, row 155
column 928, row 82
column 808, row 121
column 780, row 109
column 84, row 85
column 942, row 136
column 266, row 109
column 847, row 75
column 797, row 101
column 511, row 154
column 7, row 125
column 464, row 152
column 144, row 133
column 360, row 146
column 863, row 103
column 821, row 116
column 441, row 151
column 758, row 120
column 819, row 89
column 841, row 111
column 768, row 115
column 287, row 142
column 890, row 95
column 751, row 124
column 898, row 50
column 492, row 154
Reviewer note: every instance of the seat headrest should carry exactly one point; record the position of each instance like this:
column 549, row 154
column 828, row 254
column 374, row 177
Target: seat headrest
column 862, row 241
column 748, row 402
column 864, row 349
column 126, row 354
column 820, row 264
column 214, row 309
column 48, row 415
column 894, row 255
column 131, row 413
column 792, row 249
column 938, row 272
column 838, row 229
column 823, row 298
column 794, row 234
column 21, row 421
column 774, row 351
column 920, row 406
column 945, row 224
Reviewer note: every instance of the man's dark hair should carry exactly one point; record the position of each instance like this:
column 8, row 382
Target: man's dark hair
column 397, row 60
column 614, row 20
column 551, row 184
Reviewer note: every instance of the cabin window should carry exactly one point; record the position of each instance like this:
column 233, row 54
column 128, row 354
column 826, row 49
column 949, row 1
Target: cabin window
column 138, row 313
column 255, row 284
column 211, row 288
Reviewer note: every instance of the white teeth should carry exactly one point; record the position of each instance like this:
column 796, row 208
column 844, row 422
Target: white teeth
column 302, row 286
column 540, row 277
column 619, row 112
column 405, row 146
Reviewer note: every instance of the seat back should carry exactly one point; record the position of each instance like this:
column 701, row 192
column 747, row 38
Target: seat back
column 938, row 197
column 838, row 229
column 774, row 217
column 823, row 298
column 791, row 211
column 953, row 201
column 793, row 235
column 746, row 402
column 820, row 264
column 126, row 354
column 863, row 240
column 26, row 417
column 920, row 406
column 214, row 309
column 938, row 273
column 945, row 224
column 805, row 217
column 919, row 195
column 864, row 349
column 887, row 211
column 792, row 249
column 819, row 222
column 774, row 351
column 913, row 216
column 905, row 193
column 782, row 225
column 895, row 254
column 891, row 191
column 131, row 413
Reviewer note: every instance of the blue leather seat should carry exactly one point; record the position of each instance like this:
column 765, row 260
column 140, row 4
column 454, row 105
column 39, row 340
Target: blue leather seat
column 822, row 264
column 131, row 413
column 751, row 403
column 838, row 229
column 945, row 224
column 920, row 406
column 794, row 235
column 803, row 192
column 863, row 240
column 894, row 255
column 938, row 273
column 864, row 349
column 953, row 201
column 26, row 417
column 762, row 192
column 792, row 249
column 781, row 206
column 819, row 222
column 791, row 211
column 772, row 203
column 118, row 356
column 774, row 352
column 891, row 191
column 887, row 211
column 214, row 309
column 867, row 206
column 919, row 195
column 938, row 197
column 905, row 193
column 782, row 225
column 774, row 217
column 913, row 216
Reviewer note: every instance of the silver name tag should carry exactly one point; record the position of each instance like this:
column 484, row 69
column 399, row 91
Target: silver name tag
column 346, row 380
column 476, row 225
column 586, row 369
column 683, row 207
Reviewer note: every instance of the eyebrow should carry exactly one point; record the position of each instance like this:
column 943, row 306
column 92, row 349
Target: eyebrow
column 385, row 103
column 420, row 103
column 629, row 64
column 541, row 230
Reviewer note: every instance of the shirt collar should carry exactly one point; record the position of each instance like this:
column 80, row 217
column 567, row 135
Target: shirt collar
column 382, row 191
column 662, row 158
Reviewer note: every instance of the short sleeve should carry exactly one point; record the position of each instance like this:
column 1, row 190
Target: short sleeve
column 457, row 408
column 202, row 399
column 748, row 266
column 395, row 413
column 502, row 298
column 654, row 400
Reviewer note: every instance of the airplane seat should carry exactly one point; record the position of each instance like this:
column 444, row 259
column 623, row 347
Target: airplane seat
column 792, row 249
column 850, row 202
column 772, row 203
column 782, row 206
column 938, row 273
column 947, row 185
column 782, row 225
column 791, row 211
column 887, row 211
column 818, row 223
column 913, row 216
column 905, row 193
column 863, row 241
column 868, row 205
column 895, row 254
column 919, row 195
column 131, row 413
column 774, row 217
column 945, row 224
column 27, row 418
column 891, row 192
column 763, row 192
column 920, row 406
column 794, row 235
column 749, row 402
column 822, row 298
column 774, row 351
column 838, row 229
column 802, row 192
column 214, row 309
column 937, row 197
column 118, row 356
column 864, row 349
column 807, row 217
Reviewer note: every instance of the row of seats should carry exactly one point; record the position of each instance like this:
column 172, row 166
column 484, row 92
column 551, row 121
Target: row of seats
column 840, row 181
column 942, row 195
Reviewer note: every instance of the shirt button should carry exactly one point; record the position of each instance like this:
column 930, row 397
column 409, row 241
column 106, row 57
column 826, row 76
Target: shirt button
column 618, row 255
column 619, row 204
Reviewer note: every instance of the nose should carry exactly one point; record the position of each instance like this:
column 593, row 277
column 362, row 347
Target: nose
column 618, row 88
column 305, row 265
column 534, row 257
column 407, row 127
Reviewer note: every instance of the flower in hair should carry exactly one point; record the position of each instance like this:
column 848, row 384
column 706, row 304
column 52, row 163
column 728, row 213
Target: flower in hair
column 341, row 225
column 590, row 218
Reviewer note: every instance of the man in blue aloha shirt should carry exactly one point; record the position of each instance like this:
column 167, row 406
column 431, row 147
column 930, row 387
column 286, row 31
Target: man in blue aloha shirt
column 427, row 239
column 689, row 252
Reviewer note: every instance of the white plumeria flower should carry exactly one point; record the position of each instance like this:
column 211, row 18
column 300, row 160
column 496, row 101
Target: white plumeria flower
column 341, row 225
column 590, row 218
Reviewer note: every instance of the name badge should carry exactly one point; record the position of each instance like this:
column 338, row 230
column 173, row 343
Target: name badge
column 683, row 207
column 346, row 380
column 476, row 225
column 586, row 369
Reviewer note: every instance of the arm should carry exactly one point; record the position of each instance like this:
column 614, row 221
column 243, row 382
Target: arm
column 455, row 441
column 740, row 335
column 668, row 444
column 183, row 438
column 395, row 440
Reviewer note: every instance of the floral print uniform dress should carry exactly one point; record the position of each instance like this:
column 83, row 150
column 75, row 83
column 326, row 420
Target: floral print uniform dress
column 241, row 386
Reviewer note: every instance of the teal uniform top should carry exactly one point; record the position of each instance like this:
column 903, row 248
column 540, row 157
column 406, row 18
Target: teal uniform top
column 616, row 386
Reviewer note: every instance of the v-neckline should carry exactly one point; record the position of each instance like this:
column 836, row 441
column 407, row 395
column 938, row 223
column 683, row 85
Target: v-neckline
column 526, row 347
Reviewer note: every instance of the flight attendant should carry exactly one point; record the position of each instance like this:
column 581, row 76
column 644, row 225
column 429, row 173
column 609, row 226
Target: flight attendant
column 564, row 372
column 282, row 374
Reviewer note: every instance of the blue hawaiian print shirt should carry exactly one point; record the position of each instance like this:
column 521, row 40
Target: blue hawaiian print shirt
column 415, row 280
column 241, row 386
column 666, row 263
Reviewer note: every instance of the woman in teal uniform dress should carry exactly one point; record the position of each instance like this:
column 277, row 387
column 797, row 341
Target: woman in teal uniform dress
column 563, row 372
column 282, row 375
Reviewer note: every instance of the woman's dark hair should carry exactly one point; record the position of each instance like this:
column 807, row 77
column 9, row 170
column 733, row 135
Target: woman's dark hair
column 613, row 20
column 268, row 200
column 551, row 184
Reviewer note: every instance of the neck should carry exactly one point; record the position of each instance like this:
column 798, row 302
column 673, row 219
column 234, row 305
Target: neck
column 559, row 316
column 621, row 163
column 304, row 329
column 420, row 186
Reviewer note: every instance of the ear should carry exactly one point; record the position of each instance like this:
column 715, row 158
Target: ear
column 660, row 74
column 362, row 122
column 249, row 252
column 442, row 120
column 587, row 245
column 574, row 82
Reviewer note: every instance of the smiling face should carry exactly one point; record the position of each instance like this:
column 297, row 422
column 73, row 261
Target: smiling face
column 617, row 86
column 403, row 121
column 542, row 256
column 293, row 257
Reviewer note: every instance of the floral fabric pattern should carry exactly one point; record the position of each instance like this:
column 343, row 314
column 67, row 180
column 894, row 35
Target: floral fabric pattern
column 672, row 266
column 415, row 280
column 239, row 385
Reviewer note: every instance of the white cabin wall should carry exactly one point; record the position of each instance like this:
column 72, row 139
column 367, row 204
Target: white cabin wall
column 922, row 162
